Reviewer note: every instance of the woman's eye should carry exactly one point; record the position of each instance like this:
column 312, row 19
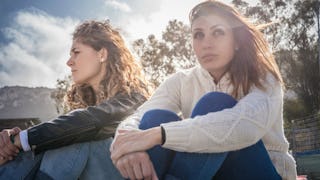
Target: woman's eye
column 74, row 52
column 198, row 35
column 218, row 32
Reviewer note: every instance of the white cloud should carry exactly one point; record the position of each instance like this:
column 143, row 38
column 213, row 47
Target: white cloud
column 118, row 5
column 37, row 51
column 139, row 25
column 39, row 43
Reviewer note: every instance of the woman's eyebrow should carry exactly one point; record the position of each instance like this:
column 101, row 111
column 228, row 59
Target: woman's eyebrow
column 197, row 29
column 212, row 27
column 215, row 26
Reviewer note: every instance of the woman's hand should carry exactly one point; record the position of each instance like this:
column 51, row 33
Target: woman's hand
column 136, row 165
column 7, row 149
column 129, row 141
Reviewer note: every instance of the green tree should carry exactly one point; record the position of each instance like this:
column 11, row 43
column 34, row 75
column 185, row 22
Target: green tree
column 161, row 57
column 304, row 74
column 269, row 15
column 293, row 38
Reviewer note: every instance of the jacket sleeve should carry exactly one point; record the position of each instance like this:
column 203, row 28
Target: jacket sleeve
column 81, row 125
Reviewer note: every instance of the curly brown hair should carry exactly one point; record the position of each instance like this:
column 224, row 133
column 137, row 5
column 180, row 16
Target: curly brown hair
column 254, row 59
column 123, row 74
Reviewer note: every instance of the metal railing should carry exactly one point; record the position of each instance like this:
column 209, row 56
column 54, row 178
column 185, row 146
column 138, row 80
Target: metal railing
column 304, row 134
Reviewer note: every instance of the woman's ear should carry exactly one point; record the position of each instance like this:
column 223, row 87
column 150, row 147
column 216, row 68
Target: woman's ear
column 103, row 54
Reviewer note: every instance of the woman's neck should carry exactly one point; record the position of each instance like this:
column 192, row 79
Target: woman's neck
column 217, row 76
column 95, row 82
column 95, row 87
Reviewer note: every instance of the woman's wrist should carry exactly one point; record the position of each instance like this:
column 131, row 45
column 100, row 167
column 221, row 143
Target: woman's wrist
column 156, row 134
column 17, row 141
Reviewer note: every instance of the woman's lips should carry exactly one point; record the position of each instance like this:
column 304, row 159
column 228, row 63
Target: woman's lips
column 209, row 57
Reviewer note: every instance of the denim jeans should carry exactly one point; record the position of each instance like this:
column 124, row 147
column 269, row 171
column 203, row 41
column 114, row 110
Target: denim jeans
column 24, row 166
column 90, row 160
column 249, row 163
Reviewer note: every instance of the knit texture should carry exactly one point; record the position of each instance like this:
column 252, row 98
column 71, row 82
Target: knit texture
column 258, row 115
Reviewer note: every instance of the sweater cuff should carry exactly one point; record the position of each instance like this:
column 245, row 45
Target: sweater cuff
column 177, row 135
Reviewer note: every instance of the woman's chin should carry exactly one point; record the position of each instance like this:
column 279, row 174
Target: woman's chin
column 209, row 68
column 77, row 81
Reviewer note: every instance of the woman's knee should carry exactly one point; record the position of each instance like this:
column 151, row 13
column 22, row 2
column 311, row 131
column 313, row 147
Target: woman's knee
column 155, row 117
column 213, row 102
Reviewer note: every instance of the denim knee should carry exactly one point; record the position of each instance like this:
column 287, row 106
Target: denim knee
column 213, row 102
column 155, row 117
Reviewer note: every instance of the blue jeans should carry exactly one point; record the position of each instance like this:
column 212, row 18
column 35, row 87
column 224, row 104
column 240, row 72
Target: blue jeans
column 90, row 160
column 24, row 166
column 249, row 163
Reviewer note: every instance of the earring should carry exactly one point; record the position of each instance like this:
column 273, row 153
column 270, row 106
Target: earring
column 101, row 60
column 236, row 48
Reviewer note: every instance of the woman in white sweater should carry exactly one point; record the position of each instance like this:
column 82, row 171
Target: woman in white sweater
column 231, row 108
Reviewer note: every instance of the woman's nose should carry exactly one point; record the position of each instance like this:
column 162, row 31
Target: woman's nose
column 70, row 62
column 207, row 42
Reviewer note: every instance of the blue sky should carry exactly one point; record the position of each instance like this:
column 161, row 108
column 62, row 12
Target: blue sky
column 35, row 35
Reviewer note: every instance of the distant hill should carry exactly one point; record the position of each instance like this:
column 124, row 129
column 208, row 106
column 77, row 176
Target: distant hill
column 25, row 102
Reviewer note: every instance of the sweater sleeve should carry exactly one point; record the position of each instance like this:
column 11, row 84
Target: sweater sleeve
column 230, row 129
column 166, row 96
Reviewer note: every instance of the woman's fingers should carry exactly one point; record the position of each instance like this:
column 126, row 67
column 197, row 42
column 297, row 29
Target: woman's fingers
column 120, row 165
column 154, row 175
column 15, row 131
column 137, row 171
column 130, row 171
column 4, row 141
column 136, row 166
column 7, row 149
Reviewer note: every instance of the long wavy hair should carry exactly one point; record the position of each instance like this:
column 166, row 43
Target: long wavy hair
column 254, row 59
column 123, row 74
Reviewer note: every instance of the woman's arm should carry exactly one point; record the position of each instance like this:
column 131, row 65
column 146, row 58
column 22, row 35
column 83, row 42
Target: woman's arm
column 165, row 97
column 92, row 123
column 230, row 129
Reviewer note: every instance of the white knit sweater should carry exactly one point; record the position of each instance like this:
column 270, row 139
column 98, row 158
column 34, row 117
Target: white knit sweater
column 258, row 115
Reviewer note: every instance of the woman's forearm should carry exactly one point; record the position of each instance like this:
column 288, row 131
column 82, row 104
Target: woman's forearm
column 93, row 123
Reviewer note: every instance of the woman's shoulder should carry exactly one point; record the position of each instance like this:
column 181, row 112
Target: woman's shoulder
column 272, row 83
column 271, row 86
column 271, row 79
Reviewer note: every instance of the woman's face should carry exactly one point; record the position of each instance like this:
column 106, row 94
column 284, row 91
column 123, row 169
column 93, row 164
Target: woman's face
column 213, row 43
column 87, row 65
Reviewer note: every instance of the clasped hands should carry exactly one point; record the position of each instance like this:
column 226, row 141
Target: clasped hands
column 8, row 150
column 128, row 152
